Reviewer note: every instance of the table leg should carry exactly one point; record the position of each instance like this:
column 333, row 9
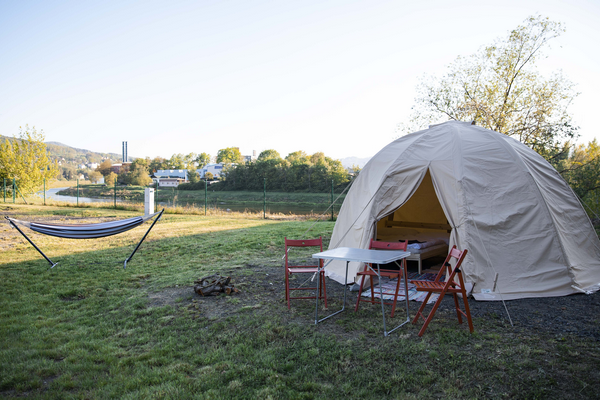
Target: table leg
column 317, row 320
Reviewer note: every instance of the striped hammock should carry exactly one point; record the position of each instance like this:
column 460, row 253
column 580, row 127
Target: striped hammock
column 85, row 231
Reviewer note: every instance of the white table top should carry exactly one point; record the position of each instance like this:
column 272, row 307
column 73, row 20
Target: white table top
column 362, row 255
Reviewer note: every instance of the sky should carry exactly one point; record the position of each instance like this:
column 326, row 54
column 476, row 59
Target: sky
column 198, row 76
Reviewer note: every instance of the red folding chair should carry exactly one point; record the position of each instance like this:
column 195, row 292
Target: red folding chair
column 450, row 286
column 391, row 274
column 304, row 269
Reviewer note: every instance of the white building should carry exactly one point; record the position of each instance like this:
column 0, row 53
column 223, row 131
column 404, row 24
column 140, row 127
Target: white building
column 214, row 169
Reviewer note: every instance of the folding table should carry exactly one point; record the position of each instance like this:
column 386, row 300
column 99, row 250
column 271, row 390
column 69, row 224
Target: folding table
column 368, row 257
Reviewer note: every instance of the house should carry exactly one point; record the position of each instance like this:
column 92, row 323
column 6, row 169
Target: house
column 172, row 173
column 214, row 169
column 170, row 177
column 169, row 182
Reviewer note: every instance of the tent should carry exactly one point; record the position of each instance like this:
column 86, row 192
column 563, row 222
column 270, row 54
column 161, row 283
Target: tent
column 526, row 231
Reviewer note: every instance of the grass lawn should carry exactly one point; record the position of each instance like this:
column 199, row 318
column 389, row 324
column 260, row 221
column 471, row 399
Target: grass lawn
column 89, row 329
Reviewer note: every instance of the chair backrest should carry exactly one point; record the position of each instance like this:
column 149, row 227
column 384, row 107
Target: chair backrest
column 302, row 243
column 378, row 245
column 446, row 266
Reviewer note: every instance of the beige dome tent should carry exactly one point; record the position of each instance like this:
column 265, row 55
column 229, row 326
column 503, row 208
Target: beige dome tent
column 526, row 232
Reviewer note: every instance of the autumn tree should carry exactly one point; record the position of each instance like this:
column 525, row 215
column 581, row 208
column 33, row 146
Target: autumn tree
column 110, row 179
column 95, row 176
column 229, row 155
column 500, row 88
column 26, row 160
column 202, row 160
column 105, row 168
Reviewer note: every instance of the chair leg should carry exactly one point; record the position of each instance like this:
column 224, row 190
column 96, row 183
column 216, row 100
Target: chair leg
column 420, row 312
column 287, row 288
column 395, row 296
column 362, row 281
column 467, row 311
column 431, row 313
column 458, row 310
column 323, row 288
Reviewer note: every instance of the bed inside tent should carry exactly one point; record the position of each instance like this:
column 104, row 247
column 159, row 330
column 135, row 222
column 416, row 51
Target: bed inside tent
column 421, row 221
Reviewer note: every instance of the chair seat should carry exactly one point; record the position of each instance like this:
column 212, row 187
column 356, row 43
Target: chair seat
column 428, row 286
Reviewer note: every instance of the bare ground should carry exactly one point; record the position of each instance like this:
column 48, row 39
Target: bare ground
column 263, row 288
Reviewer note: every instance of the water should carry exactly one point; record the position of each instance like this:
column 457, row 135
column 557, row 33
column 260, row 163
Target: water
column 52, row 194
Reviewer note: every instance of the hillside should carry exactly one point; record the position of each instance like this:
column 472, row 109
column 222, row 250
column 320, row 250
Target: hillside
column 71, row 155
column 74, row 163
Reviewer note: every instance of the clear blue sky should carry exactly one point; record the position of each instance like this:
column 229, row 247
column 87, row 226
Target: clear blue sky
column 197, row 76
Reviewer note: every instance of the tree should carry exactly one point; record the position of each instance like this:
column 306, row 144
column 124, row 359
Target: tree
column 202, row 159
column 110, row 179
column 139, row 177
column 95, row 176
column 268, row 155
column 26, row 160
column 156, row 164
column 193, row 176
column 499, row 88
column 208, row 176
column 105, row 168
column 177, row 161
column 229, row 155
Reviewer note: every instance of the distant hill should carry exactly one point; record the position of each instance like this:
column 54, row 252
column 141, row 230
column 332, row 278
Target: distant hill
column 59, row 151
column 71, row 155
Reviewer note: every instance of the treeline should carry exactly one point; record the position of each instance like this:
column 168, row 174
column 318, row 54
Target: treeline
column 298, row 172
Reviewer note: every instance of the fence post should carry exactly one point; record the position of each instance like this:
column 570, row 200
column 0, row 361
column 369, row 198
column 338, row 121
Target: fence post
column 14, row 191
column 156, row 196
column 21, row 194
column 205, row 194
column 332, row 199
column 115, row 193
column 77, row 192
column 44, row 191
column 264, row 198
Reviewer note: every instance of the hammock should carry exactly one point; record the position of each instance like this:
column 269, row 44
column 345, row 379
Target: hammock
column 85, row 231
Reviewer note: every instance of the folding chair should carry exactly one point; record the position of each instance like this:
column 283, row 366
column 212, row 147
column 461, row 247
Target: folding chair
column 391, row 274
column 450, row 286
column 304, row 269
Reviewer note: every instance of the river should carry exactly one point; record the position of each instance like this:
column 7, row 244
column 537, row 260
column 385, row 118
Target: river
column 52, row 194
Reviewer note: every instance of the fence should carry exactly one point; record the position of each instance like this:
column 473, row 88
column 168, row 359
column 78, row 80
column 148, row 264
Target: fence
column 265, row 203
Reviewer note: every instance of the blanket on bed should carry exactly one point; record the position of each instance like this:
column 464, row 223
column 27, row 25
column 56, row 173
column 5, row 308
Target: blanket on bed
column 424, row 245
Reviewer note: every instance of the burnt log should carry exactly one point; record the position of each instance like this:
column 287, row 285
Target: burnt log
column 214, row 284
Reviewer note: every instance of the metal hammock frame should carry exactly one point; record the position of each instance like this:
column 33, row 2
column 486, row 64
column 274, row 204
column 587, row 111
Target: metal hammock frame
column 85, row 231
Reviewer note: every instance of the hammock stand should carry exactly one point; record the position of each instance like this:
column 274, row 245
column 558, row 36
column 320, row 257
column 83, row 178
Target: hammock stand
column 85, row 231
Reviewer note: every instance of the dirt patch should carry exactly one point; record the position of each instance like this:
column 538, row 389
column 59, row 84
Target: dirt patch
column 262, row 290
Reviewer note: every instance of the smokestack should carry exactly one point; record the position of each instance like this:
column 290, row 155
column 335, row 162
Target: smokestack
column 124, row 152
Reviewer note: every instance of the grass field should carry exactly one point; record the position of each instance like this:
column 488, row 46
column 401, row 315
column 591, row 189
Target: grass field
column 89, row 329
